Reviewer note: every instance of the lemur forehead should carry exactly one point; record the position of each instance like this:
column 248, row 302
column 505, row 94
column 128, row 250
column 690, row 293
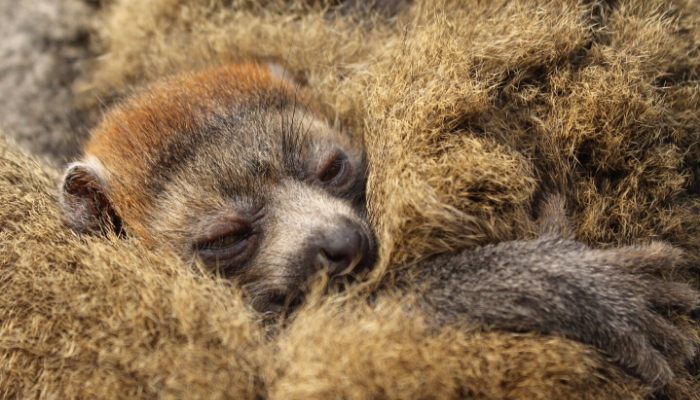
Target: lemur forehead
column 171, row 109
column 150, row 135
column 249, row 154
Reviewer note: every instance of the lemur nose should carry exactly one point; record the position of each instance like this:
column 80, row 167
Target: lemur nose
column 342, row 249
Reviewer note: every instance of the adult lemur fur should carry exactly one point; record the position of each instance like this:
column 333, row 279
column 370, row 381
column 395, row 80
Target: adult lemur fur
column 231, row 168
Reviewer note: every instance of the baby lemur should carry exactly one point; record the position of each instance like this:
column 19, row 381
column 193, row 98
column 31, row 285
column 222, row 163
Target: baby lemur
column 231, row 168
column 226, row 165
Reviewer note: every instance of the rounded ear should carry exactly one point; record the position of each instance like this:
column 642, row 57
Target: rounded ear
column 85, row 202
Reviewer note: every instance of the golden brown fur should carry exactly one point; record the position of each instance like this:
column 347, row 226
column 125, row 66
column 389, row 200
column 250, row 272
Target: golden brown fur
column 468, row 116
column 104, row 318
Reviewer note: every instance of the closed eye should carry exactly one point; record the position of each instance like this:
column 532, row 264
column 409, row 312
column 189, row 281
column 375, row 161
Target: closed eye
column 224, row 242
column 334, row 170
column 227, row 247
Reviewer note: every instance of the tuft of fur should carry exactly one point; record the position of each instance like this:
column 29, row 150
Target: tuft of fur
column 107, row 319
column 104, row 318
column 389, row 349
column 469, row 117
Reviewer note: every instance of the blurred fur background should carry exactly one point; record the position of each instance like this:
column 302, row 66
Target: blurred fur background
column 470, row 114
column 44, row 48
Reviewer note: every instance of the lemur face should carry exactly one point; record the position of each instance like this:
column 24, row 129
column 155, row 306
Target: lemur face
column 230, row 168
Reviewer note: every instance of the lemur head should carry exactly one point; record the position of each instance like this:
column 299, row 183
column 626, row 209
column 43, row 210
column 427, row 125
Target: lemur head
column 228, row 166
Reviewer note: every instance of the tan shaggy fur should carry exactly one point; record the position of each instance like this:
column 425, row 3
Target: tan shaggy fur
column 91, row 318
column 470, row 116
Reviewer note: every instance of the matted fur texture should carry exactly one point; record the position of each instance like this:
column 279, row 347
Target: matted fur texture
column 88, row 318
column 470, row 115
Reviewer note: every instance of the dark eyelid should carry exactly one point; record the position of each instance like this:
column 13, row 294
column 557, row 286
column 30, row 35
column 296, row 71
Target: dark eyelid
column 341, row 160
column 330, row 160
column 224, row 242
column 219, row 225
column 223, row 230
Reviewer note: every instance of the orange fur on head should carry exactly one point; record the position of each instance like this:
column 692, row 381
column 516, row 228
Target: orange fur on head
column 132, row 137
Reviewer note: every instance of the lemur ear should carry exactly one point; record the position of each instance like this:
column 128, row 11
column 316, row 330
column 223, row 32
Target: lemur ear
column 85, row 202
